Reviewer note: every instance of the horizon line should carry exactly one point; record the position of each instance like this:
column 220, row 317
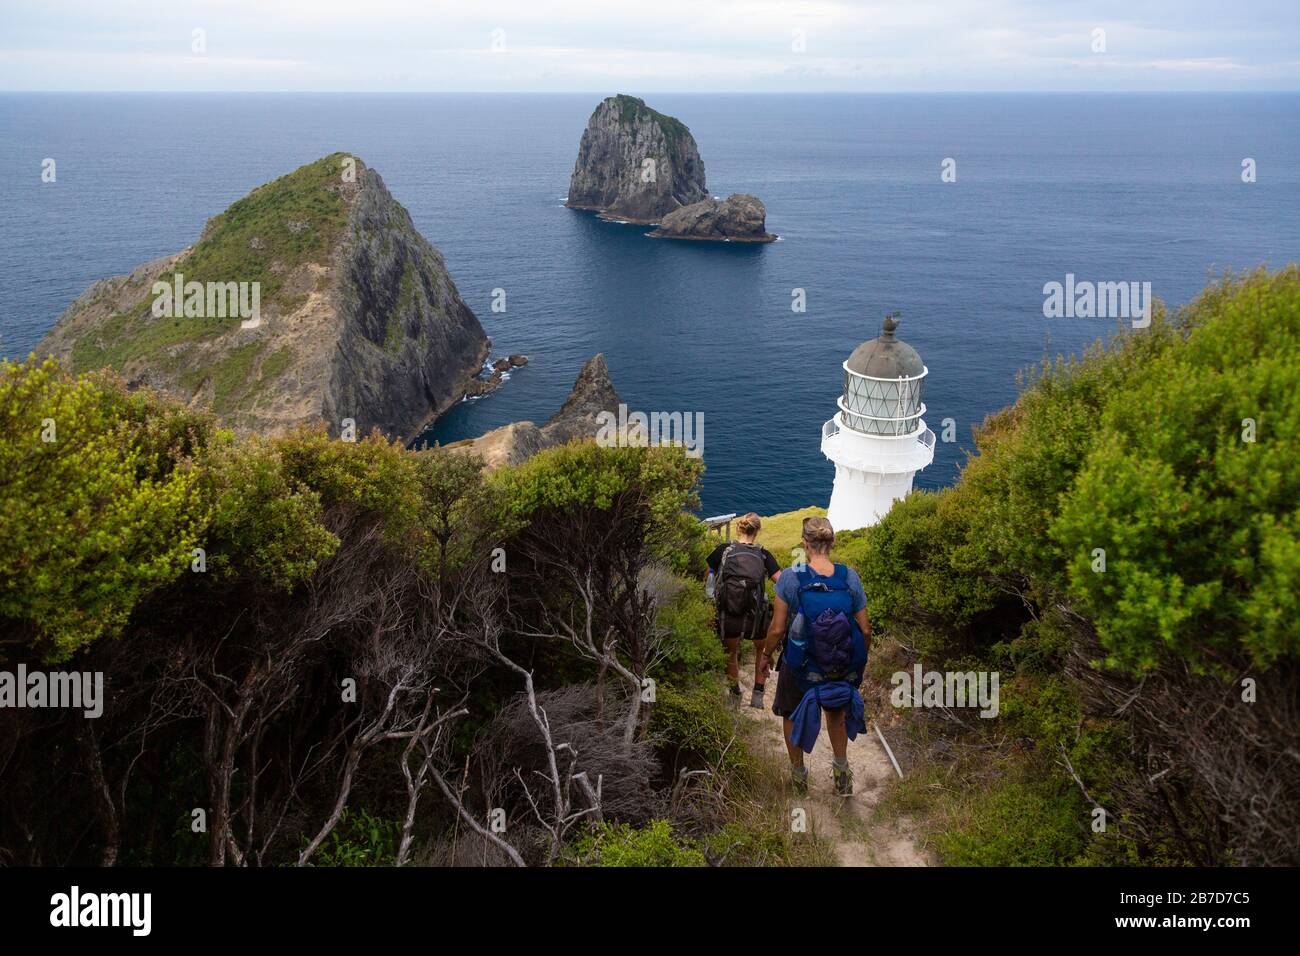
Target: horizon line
column 662, row 92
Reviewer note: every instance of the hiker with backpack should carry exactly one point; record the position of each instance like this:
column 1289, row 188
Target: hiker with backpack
column 738, row 573
column 820, row 622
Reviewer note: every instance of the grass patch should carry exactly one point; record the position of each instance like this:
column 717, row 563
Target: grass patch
column 231, row 375
column 983, row 809
column 782, row 533
column 124, row 336
column 275, row 364
column 1016, row 823
column 291, row 220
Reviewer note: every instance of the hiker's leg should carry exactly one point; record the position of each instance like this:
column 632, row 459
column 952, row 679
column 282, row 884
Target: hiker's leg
column 760, row 671
column 838, row 733
column 796, row 755
column 733, row 658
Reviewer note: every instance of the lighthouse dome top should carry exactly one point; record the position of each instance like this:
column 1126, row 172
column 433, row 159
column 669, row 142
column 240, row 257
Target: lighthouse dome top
column 886, row 356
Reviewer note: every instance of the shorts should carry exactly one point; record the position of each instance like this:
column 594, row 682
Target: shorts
column 788, row 693
column 745, row 628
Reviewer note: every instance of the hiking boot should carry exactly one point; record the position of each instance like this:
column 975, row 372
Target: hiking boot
column 756, row 698
column 799, row 780
column 843, row 780
column 734, row 691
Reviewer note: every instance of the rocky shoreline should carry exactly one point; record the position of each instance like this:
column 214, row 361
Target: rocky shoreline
column 592, row 393
column 478, row 386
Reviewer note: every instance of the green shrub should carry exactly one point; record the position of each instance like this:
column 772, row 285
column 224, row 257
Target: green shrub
column 99, row 502
column 695, row 726
column 1200, row 527
column 739, row 844
column 374, row 475
column 265, row 523
column 637, row 492
column 360, row 839
column 616, row 844
column 694, row 655
column 909, row 569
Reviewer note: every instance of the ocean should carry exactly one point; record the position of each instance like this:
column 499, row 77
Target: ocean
column 1104, row 187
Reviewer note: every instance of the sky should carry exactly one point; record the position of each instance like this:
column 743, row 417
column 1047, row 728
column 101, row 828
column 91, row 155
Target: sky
column 649, row 45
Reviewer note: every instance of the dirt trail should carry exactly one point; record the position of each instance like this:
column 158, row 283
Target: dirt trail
column 847, row 823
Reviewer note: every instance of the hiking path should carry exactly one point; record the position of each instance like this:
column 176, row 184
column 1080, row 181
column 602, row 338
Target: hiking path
column 850, row 824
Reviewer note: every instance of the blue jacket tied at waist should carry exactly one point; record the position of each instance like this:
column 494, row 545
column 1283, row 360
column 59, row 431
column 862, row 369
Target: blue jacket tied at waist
column 806, row 721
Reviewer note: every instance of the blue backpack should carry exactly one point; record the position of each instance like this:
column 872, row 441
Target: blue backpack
column 824, row 642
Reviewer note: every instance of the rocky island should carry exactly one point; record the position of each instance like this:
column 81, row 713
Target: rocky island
column 738, row 218
column 592, row 393
column 635, row 164
column 312, row 298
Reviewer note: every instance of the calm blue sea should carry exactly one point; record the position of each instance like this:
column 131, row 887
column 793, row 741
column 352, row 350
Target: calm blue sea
column 1108, row 187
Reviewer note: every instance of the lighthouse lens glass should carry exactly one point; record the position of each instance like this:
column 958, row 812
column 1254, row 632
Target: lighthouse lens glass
column 881, row 406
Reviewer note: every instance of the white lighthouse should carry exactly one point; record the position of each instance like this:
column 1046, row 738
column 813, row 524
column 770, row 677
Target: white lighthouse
column 877, row 440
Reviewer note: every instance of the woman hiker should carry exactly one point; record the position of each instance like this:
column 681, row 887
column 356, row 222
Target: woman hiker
column 739, row 571
column 822, row 674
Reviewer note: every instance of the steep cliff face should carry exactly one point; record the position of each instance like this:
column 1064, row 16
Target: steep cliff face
column 407, row 341
column 592, row 393
column 635, row 163
column 738, row 218
column 356, row 316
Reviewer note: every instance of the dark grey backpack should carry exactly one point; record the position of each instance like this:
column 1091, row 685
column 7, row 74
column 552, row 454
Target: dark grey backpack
column 739, row 594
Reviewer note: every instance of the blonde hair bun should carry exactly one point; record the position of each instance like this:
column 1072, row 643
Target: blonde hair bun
column 819, row 534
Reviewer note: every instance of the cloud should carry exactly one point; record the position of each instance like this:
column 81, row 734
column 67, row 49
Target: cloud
column 1201, row 64
column 594, row 45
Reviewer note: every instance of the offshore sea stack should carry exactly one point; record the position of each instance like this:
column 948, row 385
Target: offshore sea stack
column 738, row 218
column 635, row 164
column 592, row 393
column 312, row 298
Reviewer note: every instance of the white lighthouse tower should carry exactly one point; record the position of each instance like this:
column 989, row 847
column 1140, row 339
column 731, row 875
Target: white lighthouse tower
column 878, row 440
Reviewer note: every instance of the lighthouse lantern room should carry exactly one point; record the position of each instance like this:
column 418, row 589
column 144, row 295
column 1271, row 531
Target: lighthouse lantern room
column 878, row 439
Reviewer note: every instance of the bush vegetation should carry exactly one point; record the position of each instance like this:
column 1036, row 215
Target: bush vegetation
column 1125, row 550
column 427, row 650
